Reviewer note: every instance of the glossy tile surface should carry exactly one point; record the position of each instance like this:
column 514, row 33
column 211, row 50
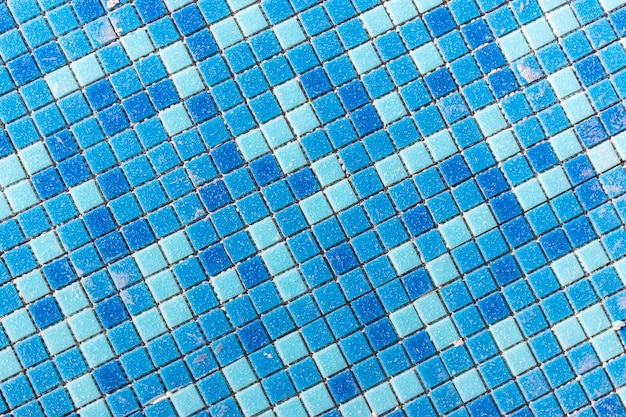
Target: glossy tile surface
column 297, row 208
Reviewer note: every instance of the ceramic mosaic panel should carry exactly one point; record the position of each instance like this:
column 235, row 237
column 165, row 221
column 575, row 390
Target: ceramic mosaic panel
column 295, row 208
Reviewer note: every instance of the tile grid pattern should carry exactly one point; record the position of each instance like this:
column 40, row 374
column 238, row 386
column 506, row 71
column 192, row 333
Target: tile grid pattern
column 295, row 208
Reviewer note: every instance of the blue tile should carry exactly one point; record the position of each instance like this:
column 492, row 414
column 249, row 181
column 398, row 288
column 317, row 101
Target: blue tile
column 140, row 188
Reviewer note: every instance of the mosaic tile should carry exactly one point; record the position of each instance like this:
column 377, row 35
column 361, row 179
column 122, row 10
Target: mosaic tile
column 312, row 208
